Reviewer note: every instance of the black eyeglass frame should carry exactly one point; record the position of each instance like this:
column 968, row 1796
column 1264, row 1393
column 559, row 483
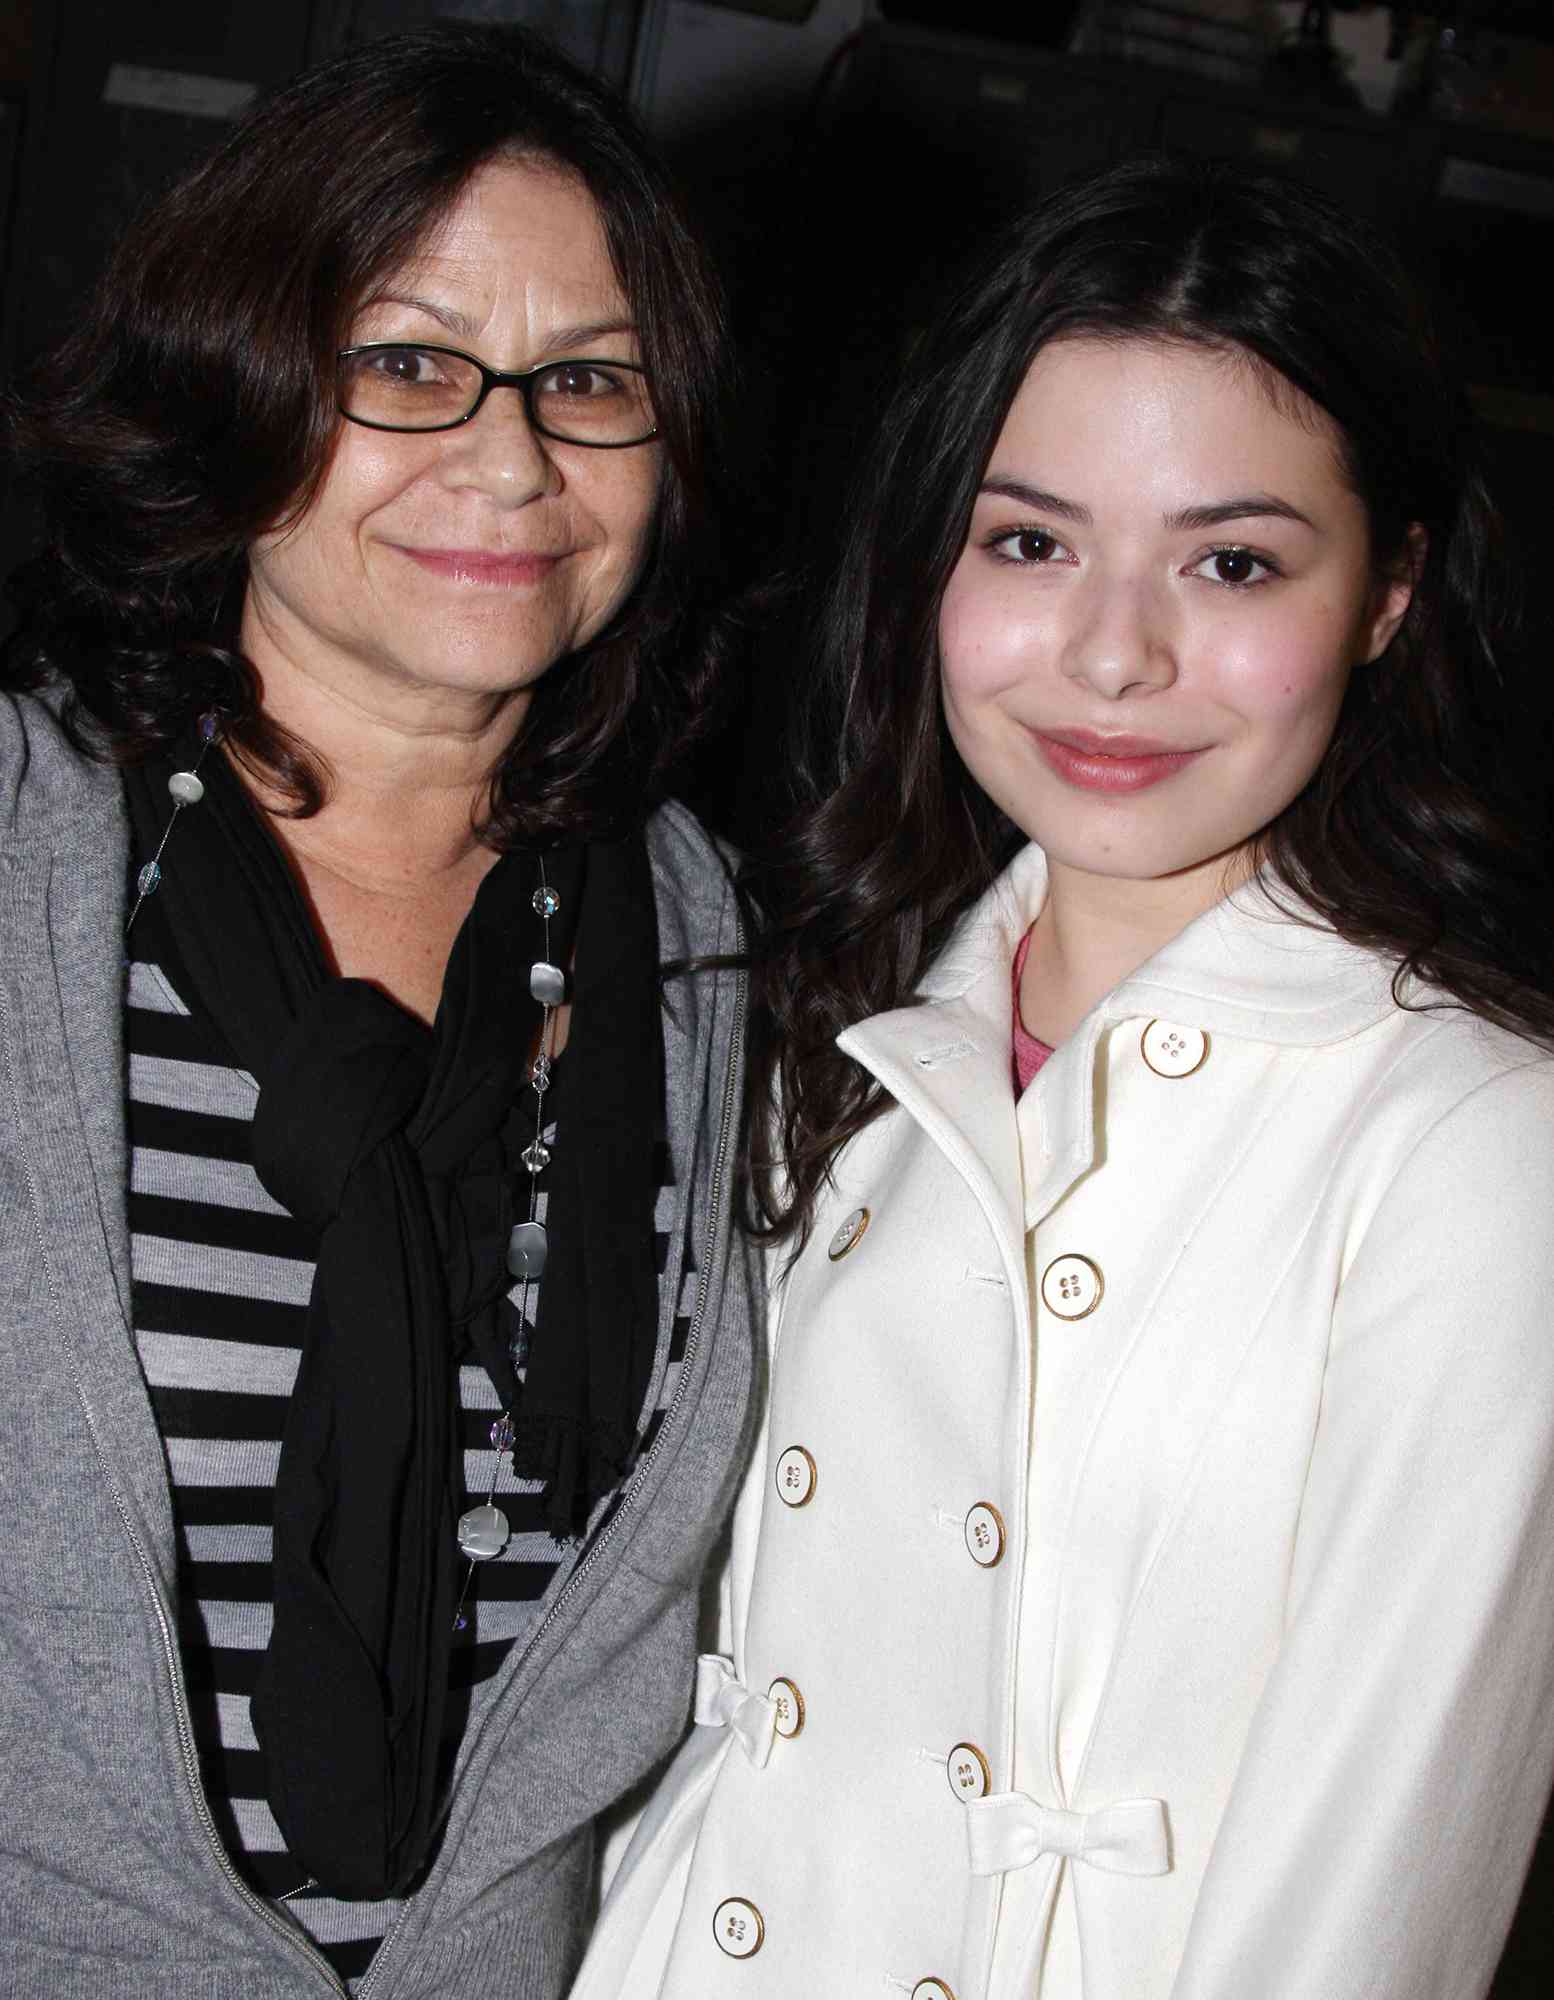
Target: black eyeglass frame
column 491, row 378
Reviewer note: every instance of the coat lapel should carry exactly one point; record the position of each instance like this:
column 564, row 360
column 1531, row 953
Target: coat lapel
column 947, row 1065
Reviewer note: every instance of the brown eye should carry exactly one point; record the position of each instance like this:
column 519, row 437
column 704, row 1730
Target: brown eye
column 1026, row 548
column 1034, row 546
column 580, row 379
column 1234, row 565
column 411, row 366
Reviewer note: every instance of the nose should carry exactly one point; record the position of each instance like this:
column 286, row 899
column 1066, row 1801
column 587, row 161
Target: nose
column 501, row 453
column 1124, row 640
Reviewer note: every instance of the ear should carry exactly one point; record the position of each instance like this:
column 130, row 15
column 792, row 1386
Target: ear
column 1394, row 594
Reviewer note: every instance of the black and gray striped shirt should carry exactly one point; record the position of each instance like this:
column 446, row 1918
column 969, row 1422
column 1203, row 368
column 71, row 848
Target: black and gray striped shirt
column 222, row 1276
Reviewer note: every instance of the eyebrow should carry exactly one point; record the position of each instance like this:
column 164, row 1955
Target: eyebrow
column 564, row 340
column 1244, row 507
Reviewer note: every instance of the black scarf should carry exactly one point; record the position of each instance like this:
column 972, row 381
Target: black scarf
column 399, row 1144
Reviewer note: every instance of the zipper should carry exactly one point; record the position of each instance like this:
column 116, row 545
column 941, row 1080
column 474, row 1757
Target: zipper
column 191, row 1765
column 692, row 1342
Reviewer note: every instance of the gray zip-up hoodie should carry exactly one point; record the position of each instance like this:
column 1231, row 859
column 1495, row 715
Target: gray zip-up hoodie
column 112, row 1880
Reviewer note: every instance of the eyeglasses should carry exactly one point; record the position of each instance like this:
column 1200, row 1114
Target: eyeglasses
column 389, row 385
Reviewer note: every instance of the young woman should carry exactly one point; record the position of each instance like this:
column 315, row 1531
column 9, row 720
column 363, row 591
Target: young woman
column 1143, row 1587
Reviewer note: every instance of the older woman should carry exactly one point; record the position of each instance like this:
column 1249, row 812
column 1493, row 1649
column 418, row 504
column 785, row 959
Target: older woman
column 374, row 1355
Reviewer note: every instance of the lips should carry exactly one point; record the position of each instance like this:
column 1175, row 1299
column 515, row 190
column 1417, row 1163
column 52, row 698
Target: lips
column 1092, row 762
column 483, row 566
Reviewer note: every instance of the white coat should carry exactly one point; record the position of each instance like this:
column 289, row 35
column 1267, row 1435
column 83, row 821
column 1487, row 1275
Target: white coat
column 1144, row 1585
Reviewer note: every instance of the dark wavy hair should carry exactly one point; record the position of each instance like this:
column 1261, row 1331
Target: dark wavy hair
column 193, row 410
column 1408, row 838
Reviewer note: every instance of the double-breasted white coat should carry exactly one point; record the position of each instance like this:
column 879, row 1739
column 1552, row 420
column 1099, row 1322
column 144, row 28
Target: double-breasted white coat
column 1144, row 1585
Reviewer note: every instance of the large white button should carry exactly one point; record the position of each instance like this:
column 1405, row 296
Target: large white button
column 931, row 1989
column 784, row 1696
column 985, row 1534
column 795, row 1477
column 849, row 1234
column 738, row 1927
column 969, row 1775
column 1173, row 1051
column 1071, row 1287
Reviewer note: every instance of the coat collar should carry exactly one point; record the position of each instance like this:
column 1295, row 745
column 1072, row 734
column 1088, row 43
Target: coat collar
column 1246, row 969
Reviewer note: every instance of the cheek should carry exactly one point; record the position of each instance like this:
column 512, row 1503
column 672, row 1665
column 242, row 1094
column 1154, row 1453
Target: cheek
column 1291, row 682
column 988, row 638
column 362, row 479
column 620, row 493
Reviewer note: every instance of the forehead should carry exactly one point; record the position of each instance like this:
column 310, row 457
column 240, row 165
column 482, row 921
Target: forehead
column 522, row 229
column 1164, row 420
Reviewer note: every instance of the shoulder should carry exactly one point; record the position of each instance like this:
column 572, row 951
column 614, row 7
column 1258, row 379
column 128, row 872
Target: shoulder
column 1451, row 1155
column 46, row 782
column 693, row 885
column 1446, row 1063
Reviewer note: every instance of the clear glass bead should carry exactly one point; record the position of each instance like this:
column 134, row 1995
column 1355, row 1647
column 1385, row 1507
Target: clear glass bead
column 536, row 1157
column 148, row 878
column 546, row 901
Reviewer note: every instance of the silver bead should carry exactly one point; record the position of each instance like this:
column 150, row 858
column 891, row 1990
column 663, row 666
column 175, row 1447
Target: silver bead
column 536, row 1157
column 483, row 1533
column 186, row 788
column 526, row 1249
column 547, row 983
column 546, row 901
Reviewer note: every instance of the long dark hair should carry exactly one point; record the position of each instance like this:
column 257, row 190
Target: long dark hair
column 193, row 410
column 1406, row 838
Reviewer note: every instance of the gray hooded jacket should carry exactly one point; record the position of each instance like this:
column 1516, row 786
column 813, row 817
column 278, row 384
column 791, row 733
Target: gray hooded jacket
column 112, row 1879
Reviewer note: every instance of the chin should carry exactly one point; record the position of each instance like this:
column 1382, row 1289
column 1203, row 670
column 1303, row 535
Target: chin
column 492, row 666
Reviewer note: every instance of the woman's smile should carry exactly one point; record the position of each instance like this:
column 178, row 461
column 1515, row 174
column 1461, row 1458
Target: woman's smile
column 1109, row 763
column 480, row 566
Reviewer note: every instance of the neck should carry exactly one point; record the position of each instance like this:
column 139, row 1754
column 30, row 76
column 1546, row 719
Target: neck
column 408, row 767
column 1094, row 931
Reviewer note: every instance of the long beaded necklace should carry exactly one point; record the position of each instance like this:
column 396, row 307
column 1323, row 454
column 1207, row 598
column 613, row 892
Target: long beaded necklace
column 483, row 1531
column 186, row 788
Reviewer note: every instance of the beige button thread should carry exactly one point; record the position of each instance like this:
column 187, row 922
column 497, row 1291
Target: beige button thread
column 796, row 1477
column 1071, row 1286
column 1171, row 1051
column 849, row 1234
column 784, row 1696
column 968, row 1773
column 985, row 1535
column 739, row 1927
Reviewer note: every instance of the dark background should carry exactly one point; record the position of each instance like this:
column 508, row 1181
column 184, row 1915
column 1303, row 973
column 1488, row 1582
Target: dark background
column 845, row 155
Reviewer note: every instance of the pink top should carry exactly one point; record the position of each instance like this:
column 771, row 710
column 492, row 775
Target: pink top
column 1029, row 1052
